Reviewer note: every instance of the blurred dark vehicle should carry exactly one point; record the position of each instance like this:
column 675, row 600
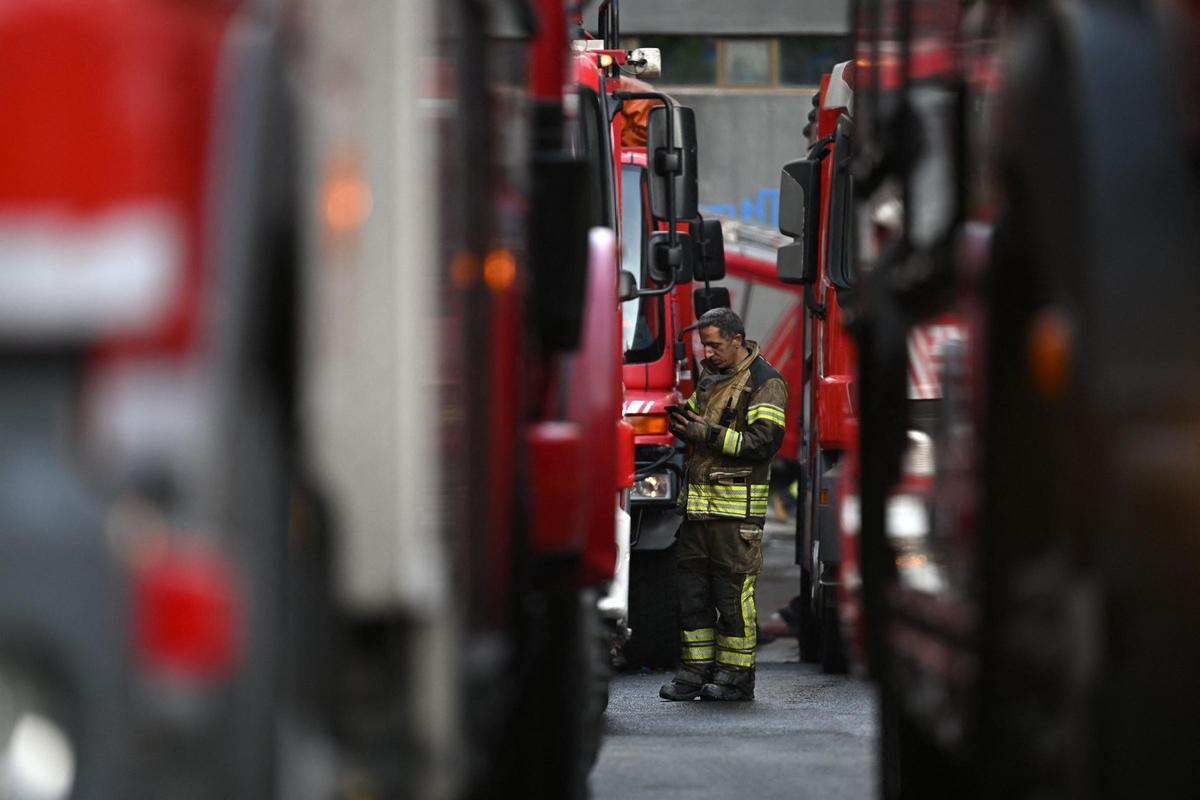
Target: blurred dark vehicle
column 1037, row 639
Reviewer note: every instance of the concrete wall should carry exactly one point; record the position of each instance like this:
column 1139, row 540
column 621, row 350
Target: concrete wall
column 744, row 139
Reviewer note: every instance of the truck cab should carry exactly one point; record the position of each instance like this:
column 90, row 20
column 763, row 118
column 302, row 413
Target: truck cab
column 815, row 194
column 664, row 247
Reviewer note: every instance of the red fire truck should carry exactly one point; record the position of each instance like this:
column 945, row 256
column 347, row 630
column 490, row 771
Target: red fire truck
column 303, row 356
column 142, row 488
column 815, row 197
column 664, row 246
column 1034, row 638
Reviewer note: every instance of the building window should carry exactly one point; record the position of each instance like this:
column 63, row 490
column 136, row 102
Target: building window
column 804, row 59
column 747, row 62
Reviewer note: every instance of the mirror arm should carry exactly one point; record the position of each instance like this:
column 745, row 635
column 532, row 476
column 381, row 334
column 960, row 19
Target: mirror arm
column 820, row 148
column 661, row 290
column 686, row 330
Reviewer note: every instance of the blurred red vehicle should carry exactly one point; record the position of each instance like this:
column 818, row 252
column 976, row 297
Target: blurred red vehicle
column 287, row 332
column 1027, row 639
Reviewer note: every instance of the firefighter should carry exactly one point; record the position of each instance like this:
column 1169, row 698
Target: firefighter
column 733, row 424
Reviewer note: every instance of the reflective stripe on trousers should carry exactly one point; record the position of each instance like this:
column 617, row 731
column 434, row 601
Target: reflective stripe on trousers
column 698, row 646
column 738, row 651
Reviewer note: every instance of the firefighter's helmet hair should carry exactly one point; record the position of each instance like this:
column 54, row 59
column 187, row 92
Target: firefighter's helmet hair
column 724, row 320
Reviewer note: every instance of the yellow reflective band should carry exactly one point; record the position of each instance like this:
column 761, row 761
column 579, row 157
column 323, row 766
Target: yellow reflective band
column 767, row 408
column 723, row 501
column 737, row 642
column 733, row 442
column 727, row 508
column 743, row 660
column 699, row 635
column 717, row 512
column 749, row 609
column 738, row 651
column 717, row 502
column 769, row 413
column 728, row 492
column 727, row 500
column 692, row 403
column 695, row 654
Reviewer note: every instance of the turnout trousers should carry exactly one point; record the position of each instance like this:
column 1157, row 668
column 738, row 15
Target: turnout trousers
column 718, row 562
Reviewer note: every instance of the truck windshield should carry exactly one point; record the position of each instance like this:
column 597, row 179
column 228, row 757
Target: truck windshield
column 641, row 318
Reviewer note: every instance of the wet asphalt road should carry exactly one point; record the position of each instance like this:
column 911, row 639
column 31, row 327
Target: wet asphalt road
column 806, row 735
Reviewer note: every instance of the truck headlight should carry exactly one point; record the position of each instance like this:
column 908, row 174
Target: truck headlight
column 37, row 756
column 907, row 517
column 656, row 486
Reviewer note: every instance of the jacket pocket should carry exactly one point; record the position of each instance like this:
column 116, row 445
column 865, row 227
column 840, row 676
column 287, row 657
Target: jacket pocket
column 730, row 477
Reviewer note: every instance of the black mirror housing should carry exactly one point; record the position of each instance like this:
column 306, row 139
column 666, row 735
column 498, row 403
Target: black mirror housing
column 794, row 265
column 672, row 163
column 799, row 217
column 839, row 255
column 710, row 250
column 665, row 261
column 627, row 288
column 707, row 298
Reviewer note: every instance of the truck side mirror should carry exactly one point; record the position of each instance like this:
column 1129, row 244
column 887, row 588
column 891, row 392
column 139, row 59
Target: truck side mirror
column 710, row 297
column 799, row 217
column 672, row 163
column 839, row 252
column 710, row 250
column 627, row 288
column 667, row 260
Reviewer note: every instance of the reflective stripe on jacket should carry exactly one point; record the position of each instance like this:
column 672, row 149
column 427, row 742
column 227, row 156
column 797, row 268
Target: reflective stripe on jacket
column 746, row 411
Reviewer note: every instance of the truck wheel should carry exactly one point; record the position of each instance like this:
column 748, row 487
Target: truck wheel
column 595, row 673
column 833, row 654
column 913, row 767
column 653, row 610
column 809, row 624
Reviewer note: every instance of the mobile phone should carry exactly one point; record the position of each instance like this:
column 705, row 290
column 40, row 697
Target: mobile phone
column 673, row 409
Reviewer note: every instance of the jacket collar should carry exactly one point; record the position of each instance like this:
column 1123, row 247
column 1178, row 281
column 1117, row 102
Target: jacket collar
column 710, row 376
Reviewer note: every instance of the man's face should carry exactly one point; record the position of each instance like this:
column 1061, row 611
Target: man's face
column 722, row 352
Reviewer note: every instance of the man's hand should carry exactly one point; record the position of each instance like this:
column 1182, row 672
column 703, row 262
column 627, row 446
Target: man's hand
column 689, row 426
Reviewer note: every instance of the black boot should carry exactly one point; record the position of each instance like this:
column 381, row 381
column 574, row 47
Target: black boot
column 685, row 685
column 729, row 684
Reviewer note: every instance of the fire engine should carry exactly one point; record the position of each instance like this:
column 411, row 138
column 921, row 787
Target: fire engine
column 665, row 245
column 1030, row 631
column 308, row 328
column 815, row 197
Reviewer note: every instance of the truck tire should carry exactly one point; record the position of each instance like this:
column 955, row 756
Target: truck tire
column 653, row 610
column 595, row 672
column 833, row 654
column 809, row 624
